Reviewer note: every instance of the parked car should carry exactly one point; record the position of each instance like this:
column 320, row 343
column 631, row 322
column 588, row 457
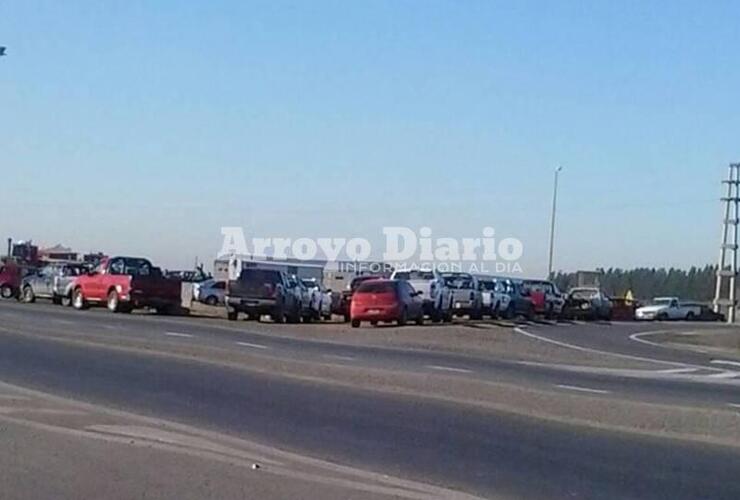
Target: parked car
column 385, row 300
column 321, row 298
column 126, row 283
column 494, row 298
column 466, row 295
column 54, row 281
column 304, row 298
column 588, row 303
column 520, row 304
column 547, row 299
column 435, row 295
column 10, row 280
column 258, row 292
column 667, row 308
column 210, row 292
column 344, row 305
column 706, row 313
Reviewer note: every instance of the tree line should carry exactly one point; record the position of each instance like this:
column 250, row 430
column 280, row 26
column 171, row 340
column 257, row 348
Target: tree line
column 696, row 283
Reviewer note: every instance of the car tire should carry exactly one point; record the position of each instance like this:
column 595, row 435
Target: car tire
column 420, row 320
column 232, row 315
column 347, row 318
column 690, row 316
column 113, row 303
column 374, row 323
column 662, row 317
column 356, row 323
column 65, row 300
column 212, row 300
column 6, row 291
column 278, row 315
column 78, row 300
column 28, row 296
column 447, row 318
column 402, row 319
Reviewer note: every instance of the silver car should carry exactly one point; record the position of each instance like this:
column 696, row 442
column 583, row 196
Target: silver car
column 209, row 292
column 53, row 281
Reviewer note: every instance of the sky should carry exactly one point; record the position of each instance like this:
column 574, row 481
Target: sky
column 139, row 127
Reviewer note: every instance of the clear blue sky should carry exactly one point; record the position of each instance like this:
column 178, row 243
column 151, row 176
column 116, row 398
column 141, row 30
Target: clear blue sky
column 143, row 127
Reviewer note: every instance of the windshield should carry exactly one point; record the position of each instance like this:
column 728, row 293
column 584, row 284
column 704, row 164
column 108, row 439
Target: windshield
column 377, row 287
column 662, row 302
column 488, row 285
column 131, row 267
column 584, row 294
column 414, row 275
column 459, row 282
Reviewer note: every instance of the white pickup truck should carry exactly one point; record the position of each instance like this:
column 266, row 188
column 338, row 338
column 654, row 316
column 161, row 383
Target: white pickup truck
column 666, row 308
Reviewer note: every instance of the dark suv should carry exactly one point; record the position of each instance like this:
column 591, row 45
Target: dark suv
column 260, row 292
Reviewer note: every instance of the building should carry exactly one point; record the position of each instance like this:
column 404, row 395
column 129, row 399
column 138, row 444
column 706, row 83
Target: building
column 57, row 253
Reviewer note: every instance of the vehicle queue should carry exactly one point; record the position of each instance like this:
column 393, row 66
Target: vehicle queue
column 123, row 284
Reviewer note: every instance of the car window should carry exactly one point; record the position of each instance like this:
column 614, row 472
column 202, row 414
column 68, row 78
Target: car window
column 377, row 287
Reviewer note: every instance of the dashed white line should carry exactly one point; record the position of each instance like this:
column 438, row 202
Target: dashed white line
column 337, row 356
column 678, row 370
column 724, row 362
column 254, row 346
column 449, row 369
column 178, row 334
column 582, row 389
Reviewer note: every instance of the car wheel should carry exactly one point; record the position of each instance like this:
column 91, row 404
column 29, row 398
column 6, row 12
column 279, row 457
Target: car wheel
column 78, row 300
column 65, row 300
column 6, row 292
column 403, row 318
column 374, row 323
column 212, row 300
column 114, row 302
column 447, row 318
column 662, row 317
column 28, row 295
column 420, row 319
column 278, row 316
column 232, row 315
column 346, row 318
column 355, row 323
column 690, row 316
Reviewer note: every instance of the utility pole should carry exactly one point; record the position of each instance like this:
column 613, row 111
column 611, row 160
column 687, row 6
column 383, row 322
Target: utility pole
column 728, row 267
column 552, row 221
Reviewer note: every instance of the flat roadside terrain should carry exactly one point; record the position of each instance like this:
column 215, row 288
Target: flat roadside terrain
column 528, row 411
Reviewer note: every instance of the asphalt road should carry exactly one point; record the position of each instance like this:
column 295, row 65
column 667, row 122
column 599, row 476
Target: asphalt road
column 482, row 452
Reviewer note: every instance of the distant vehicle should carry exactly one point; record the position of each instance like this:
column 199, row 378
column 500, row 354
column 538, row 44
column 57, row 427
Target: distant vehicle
column 303, row 297
column 126, row 283
column 435, row 295
column 706, row 313
column 384, row 300
column 54, row 281
column 466, row 295
column 321, row 298
column 521, row 303
column 667, row 308
column 344, row 304
column 547, row 299
column 210, row 292
column 190, row 276
column 260, row 292
column 10, row 280
column 587, row 303
column 494, row 298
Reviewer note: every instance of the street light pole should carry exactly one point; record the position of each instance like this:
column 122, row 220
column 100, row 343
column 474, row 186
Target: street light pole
column 552, row 220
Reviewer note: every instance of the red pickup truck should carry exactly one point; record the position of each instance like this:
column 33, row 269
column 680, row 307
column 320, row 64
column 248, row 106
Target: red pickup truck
column 126, row 283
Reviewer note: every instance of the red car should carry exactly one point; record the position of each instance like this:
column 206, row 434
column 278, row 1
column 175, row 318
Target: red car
column 124, row 284
column 10, row 280
column 387, row 301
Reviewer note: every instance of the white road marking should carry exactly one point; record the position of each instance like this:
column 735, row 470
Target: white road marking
column 734, row 405
column 724, row 374
column 255, row 346
column 449, row 369
column 177, row 334
column 582, row 389
column 613, row 354
column 677, row 370
column 724, row 362
column 337, row 356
